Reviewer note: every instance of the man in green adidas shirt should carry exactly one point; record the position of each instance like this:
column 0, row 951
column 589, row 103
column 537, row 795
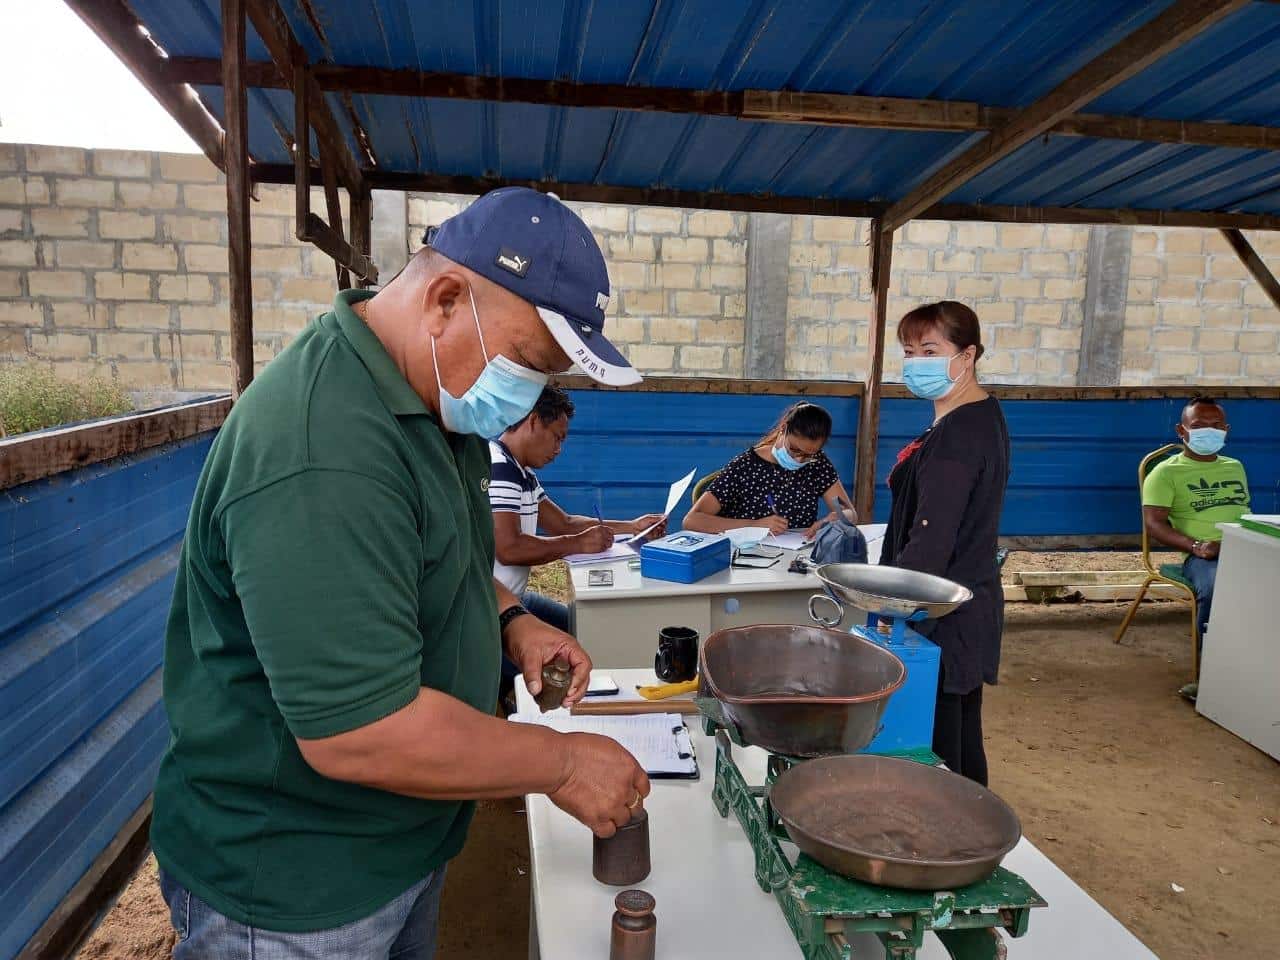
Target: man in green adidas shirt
column 332, row 652
column 1185, row 497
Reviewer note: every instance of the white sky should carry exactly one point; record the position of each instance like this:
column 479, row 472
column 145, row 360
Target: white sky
column 60, row 84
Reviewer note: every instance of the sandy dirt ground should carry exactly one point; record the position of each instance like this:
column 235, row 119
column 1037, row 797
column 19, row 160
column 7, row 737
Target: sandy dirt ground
column 1115, row 778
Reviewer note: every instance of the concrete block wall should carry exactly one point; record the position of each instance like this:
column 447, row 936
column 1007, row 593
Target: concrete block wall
column 679, row 281
column 116, row 262
column 1194, row 313
column 1026, row 282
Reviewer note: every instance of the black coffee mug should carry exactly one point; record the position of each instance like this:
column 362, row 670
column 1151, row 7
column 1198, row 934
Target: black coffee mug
column 677, row 657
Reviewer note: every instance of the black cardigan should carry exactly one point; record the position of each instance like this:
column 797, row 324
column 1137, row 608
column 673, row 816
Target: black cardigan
column 945, row 520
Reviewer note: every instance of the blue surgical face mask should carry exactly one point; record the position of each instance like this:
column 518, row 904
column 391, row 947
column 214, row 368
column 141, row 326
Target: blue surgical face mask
column 785, row 460
column 1206, row 441
column 503, row 394
column 929, row 378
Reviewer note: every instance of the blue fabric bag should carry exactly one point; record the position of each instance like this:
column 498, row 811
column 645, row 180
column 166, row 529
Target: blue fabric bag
column 839, row 542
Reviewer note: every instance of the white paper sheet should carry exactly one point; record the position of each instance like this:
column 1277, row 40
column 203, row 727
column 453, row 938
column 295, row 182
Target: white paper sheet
column 659, row 741
column 677, row 491
column 673, row 497
column 791, row 540
column 619, row 551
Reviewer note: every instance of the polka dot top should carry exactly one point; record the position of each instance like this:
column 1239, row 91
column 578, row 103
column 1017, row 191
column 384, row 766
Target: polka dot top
column 748, row 480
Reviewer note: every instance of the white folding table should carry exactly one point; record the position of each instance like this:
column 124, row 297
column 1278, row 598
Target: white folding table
column 618, row 625
column 708, row 903
column 1240, row 663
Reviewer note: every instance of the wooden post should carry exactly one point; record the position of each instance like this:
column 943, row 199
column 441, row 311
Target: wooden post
column 236, row 159
column 334, row 206
column 1253, row 263
column 301, row 150
column 362, row 226
column 864, row 484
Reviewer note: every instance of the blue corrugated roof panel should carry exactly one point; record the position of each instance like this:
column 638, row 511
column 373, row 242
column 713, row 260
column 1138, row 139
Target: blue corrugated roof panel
column 994, row 52
column 1228, row 73
column 1078, row 171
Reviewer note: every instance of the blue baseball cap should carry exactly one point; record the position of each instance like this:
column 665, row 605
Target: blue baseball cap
column 536, row 247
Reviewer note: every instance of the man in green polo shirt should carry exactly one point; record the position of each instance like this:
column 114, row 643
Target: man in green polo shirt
column 332, row 653
column 1185, row 497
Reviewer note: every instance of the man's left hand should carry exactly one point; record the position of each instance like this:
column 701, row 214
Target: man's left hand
column 532, row 644
column 641, row 524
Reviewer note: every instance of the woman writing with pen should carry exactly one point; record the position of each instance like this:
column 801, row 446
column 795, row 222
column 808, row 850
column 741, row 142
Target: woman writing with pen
column 777, row 483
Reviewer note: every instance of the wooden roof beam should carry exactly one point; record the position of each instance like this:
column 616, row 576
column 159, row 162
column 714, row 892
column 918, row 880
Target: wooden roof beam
column 1088, row 215
column 770, row 106
column 287, row 53
column 117, row 27
column 1181, row 22
column 765, row 203
column 1254, row 264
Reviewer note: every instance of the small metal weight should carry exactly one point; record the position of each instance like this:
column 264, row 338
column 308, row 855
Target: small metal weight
column 623, row 859
column 555, row 684
column 635, row 929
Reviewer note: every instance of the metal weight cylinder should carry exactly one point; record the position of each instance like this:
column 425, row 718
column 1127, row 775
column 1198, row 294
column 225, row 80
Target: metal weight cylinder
column 623, row 859
column 635, row 929
column 556, row 678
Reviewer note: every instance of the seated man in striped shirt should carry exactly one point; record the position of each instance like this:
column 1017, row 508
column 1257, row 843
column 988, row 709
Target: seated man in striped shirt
column 521, row 507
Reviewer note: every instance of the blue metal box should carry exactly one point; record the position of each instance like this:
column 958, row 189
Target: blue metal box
column 685, row 557
column 908, row 717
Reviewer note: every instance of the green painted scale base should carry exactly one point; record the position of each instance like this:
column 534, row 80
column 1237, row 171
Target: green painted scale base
column 823, row 908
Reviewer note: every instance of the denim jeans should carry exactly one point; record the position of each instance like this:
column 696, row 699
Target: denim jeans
column 547, row 610
column 404, row 929
column 1202, row 574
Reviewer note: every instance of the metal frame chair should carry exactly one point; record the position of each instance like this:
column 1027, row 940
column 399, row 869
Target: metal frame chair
column 700, row 485
column 1167, row 572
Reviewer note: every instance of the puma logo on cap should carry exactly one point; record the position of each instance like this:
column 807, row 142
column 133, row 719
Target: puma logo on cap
column 512, row 262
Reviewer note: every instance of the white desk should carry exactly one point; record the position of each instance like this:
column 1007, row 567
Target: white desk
column 1240, row 663
column 619, row 625
column 709, row 905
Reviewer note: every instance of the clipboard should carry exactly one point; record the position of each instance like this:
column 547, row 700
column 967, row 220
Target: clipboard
column 660, row 742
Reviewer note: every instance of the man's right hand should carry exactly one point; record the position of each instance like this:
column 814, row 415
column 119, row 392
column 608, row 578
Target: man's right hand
column 600, row 784
column 1206, row 550
column 595, row 539
column 775, row 523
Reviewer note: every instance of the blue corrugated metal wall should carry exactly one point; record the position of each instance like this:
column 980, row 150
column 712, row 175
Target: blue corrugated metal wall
column 625, row 449
column 86, row 575
column 88, row 561
column 1074, row 461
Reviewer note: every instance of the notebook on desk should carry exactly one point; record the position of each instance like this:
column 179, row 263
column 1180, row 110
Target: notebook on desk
column 660, row 742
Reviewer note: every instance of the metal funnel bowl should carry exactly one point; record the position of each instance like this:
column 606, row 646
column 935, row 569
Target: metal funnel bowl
column 892, row 591
column 798, row 691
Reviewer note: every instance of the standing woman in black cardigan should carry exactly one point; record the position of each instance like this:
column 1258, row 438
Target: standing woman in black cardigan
column 948, row 489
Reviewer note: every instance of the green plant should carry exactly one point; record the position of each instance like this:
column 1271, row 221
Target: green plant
column 551, row 580
column 32, row 397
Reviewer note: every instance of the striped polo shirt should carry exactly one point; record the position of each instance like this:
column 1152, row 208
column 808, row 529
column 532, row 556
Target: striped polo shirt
column 513, row 488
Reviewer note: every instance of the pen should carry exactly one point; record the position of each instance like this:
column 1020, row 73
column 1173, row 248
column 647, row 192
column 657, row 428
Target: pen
column 768, row 502
column 599, row 518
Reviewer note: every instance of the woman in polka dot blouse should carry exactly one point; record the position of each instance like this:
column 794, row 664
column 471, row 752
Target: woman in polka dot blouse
column 778, row 483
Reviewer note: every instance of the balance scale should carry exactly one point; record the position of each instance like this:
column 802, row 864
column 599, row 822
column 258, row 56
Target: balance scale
column 825, row 909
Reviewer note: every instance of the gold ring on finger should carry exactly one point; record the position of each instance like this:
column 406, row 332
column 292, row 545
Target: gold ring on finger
column 636, row 802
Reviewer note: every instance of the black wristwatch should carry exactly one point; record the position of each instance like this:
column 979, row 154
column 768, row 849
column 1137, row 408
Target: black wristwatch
column 509, row 614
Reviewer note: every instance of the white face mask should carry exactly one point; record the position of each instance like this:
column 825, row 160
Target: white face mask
column 503, row 394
